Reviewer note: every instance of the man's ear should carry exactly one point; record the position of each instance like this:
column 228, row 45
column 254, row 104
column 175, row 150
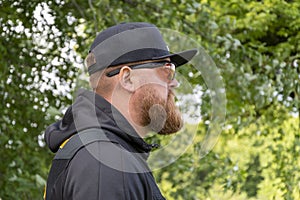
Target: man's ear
column 125, row 79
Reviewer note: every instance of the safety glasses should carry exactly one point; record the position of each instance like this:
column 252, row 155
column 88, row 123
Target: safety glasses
column 165, row 64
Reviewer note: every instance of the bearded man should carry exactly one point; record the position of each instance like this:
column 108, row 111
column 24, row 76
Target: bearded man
column 99, row 145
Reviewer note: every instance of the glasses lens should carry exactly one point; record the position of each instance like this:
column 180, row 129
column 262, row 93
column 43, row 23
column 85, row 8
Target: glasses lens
column 171, row 68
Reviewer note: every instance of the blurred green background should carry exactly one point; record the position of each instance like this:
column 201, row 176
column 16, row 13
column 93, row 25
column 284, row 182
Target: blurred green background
column 255, row 45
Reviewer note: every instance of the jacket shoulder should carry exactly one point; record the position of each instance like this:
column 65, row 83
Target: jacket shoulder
column 90, row 177
column 104, row 169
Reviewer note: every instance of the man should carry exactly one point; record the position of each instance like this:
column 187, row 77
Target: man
column 99, row 142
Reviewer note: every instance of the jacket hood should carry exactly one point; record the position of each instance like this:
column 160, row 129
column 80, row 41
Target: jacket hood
column 92, row 111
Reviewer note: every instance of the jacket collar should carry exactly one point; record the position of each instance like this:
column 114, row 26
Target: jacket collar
column 111, row 119
column 90, row 110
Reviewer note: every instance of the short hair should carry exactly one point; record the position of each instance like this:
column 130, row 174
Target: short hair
column 90, row 60
column 98, row 80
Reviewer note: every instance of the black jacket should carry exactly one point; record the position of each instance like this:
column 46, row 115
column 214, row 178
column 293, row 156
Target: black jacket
column 112, row 169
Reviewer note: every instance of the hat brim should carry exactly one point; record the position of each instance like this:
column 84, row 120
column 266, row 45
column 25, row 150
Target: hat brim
column 180, row 58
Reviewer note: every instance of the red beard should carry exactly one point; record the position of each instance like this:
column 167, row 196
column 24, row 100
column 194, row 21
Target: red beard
column 162, row 116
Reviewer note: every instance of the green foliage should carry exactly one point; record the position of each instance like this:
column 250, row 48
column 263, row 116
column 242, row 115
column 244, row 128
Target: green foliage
column 31, row 49
column 255, row 44
column 257, row 162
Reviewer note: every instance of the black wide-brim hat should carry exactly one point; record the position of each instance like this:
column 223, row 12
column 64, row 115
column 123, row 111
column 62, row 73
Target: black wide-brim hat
column 133, row 42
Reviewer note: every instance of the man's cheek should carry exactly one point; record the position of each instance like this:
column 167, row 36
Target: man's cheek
column 163, row 93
